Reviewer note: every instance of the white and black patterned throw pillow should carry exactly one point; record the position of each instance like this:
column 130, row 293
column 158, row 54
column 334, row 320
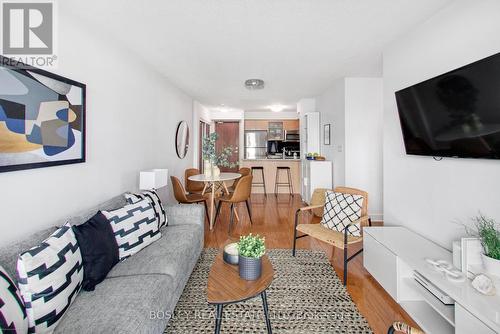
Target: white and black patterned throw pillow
column 154, row 200
column 50, row 276
column 340, row 210
column 13, row 317
column 134, row 227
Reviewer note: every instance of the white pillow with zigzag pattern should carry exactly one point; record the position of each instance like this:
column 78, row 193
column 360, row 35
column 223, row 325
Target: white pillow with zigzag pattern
column 134, row 226
column 50, row 277
column 13, row 318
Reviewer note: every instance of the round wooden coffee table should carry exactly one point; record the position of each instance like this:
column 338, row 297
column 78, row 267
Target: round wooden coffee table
column 226, row 287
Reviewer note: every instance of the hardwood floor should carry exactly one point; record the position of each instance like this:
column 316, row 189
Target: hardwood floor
column 273, row 219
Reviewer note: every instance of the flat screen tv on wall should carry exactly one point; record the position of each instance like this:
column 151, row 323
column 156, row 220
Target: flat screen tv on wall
column 456, row 114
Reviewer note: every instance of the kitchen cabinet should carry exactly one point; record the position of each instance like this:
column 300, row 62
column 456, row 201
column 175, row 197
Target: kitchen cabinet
column 275, row 131
column 291, row 125
column 253, row 124
column 258, row 124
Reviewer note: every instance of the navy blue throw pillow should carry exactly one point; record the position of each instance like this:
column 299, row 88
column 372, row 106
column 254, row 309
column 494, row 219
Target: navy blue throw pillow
column 99, row 249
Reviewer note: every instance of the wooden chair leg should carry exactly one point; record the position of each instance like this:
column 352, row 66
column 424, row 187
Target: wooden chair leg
column 249, row 211
column 206, row 211
column 231, row 219
column 217, row 211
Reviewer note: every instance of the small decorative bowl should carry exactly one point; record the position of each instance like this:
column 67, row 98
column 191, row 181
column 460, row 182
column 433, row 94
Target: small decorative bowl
column 230, row 253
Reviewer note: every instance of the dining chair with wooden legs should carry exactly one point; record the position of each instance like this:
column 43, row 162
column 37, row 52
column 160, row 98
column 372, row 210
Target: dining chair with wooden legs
column 183, row 198
column 244, row 171
column 193, row 187
column 241, row 194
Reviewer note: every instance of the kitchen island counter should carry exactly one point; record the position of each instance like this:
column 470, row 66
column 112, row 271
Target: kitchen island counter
column 270, row 167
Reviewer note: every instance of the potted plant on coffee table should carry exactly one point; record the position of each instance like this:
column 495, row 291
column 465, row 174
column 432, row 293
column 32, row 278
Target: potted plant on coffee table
column 251, row 248
column 490, row 239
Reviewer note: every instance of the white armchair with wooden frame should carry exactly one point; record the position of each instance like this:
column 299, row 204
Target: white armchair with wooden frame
column 339, row 239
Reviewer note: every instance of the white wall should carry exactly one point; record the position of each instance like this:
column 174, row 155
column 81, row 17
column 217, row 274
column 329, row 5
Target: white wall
column 132, row 115
column 200, row 113
column 420, row 193
column 235, row 115
column 363, row 140
column 304, row 106
column 354, row 109
column 331, row 105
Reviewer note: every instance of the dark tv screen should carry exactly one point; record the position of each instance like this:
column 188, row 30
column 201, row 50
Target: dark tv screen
column 456, row 114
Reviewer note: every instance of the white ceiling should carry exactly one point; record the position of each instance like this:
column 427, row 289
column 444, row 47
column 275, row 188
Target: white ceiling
column 208, row 48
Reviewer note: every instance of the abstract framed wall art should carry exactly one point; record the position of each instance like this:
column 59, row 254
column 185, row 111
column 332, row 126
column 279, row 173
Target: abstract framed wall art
column 42, row 118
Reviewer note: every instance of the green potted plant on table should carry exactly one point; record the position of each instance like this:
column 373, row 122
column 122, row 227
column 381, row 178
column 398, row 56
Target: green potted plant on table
column 251, row 249
column 489, row 234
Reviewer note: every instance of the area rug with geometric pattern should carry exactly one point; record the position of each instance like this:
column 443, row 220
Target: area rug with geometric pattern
column 306, row 296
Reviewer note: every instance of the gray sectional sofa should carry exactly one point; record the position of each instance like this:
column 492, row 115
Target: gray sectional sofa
column 139, row 293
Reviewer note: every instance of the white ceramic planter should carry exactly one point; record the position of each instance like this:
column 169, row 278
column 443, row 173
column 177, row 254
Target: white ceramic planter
column 491, row 266
column 207, row 167
column 215, row 171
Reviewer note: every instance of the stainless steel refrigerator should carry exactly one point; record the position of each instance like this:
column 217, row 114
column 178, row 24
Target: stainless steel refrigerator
column 255, row 144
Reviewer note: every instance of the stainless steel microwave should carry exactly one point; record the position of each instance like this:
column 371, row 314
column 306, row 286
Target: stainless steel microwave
column 292, row 135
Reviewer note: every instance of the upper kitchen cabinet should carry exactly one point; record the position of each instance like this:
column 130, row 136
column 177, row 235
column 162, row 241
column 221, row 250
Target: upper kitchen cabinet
column 275, row 130
column 253, row 124
column 291, row 125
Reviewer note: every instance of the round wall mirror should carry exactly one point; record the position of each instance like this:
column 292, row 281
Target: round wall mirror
column 182, row 139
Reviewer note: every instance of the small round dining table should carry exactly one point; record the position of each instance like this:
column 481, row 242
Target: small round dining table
column 215, row 183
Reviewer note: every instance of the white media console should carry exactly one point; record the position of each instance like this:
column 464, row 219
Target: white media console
column 393, row 254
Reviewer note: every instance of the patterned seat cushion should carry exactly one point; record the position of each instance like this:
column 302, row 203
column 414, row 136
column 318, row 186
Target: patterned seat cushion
column 154, row 200
column 13, row 317
column 134, row 227
column 342, row 209
column 50, row 276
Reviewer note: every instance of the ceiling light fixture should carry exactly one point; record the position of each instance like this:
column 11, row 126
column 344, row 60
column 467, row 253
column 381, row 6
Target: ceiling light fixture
column 254, row 84
column 277, row 108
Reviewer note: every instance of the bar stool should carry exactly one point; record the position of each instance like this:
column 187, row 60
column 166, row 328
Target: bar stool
column 278, row 184
column 259, row 184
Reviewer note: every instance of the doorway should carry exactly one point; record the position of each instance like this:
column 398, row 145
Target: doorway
column 204, row 133
column 229, row 135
